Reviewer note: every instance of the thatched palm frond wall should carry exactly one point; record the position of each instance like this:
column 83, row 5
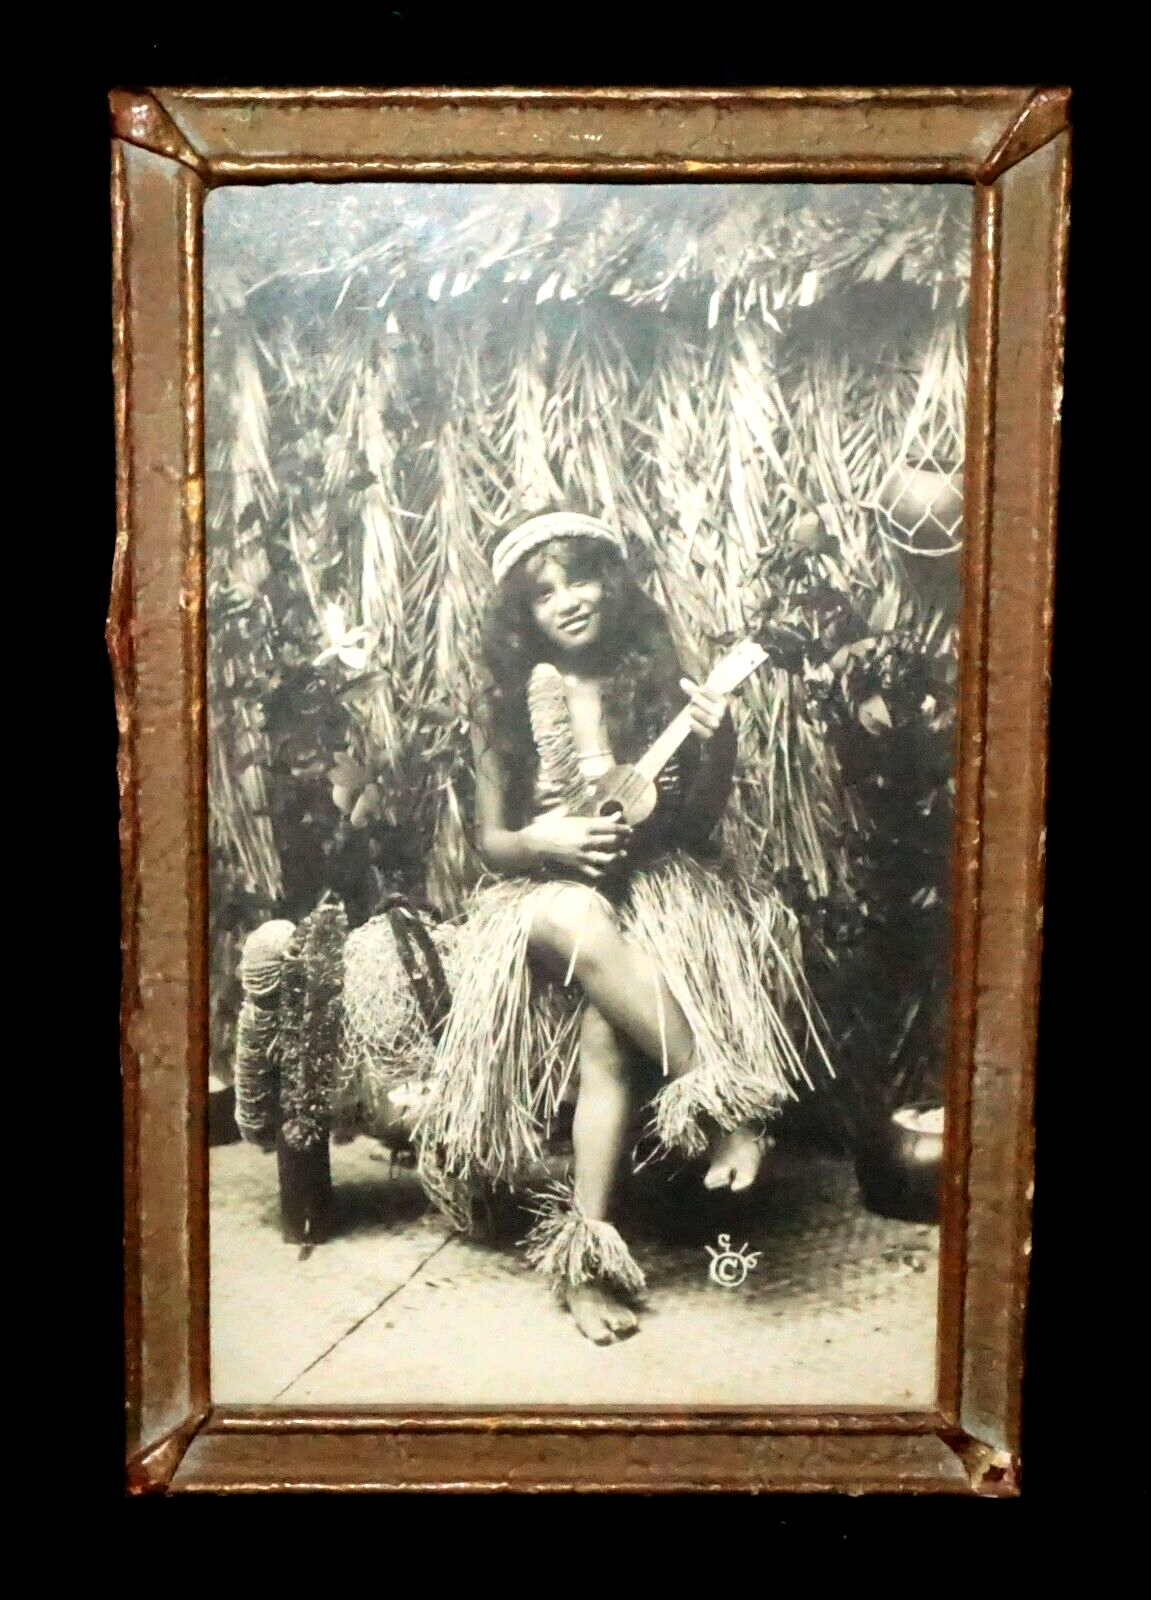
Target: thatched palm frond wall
column 755, row 382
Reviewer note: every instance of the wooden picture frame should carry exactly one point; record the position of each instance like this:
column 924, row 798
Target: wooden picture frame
column 169, row 148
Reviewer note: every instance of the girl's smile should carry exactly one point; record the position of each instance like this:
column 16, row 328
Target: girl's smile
column 567, row 611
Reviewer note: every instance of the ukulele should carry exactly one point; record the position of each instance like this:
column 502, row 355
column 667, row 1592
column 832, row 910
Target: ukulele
column 628, row 793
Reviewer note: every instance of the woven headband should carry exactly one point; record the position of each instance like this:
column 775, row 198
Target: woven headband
column 542, row 529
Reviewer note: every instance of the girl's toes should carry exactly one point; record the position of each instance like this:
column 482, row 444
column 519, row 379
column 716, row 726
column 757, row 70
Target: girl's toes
column 748, row 1165
column 598, row 1315
column 623, row 1322
column 591, row 1323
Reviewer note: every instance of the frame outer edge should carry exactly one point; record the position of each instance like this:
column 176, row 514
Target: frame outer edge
column 1024, row 514
column 193, row 595
column 565, row 1462
column 118, row 636
column 503, row 94
column 150, row 1471
column 988, row 1467
column 507, row 133
column 1052, row 401
column 1042, row 119
column 138, row 118
column 153, row 628
column 966, row 883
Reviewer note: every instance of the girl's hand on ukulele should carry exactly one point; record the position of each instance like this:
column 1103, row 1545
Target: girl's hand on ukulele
column 587, row 845
column 706, row 709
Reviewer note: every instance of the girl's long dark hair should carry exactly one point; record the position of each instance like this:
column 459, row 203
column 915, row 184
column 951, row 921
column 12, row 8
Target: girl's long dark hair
column 639, row 661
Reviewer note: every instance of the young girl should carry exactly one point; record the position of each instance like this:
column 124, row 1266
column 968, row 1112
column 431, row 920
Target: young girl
column 592, row 950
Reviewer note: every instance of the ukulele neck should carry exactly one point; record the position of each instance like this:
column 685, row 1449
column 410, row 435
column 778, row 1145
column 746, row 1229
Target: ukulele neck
column 657, row 756
column 727, row 675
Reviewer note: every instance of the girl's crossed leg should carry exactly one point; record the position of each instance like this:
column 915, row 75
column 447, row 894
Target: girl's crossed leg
column 624, row 984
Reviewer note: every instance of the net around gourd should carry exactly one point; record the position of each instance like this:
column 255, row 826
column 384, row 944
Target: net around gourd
column 919, row 497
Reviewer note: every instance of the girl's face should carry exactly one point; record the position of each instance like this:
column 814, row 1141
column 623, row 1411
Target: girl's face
column 567, row 610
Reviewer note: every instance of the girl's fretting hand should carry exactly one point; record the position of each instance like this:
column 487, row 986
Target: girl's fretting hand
column 706, row 709
column 588, row 845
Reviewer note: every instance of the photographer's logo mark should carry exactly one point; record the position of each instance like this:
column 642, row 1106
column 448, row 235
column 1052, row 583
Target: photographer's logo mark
column 730, row 1267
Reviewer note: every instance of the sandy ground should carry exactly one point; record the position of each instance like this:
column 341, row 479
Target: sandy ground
column 839, row 1310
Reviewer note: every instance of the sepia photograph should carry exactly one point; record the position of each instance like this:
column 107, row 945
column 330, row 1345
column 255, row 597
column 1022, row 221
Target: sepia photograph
column 583, row 571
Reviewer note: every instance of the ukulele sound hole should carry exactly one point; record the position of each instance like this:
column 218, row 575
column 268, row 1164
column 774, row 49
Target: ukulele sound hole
column 611, row 809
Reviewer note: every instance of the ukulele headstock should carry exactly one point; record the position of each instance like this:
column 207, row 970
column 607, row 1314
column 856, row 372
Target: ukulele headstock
column 739, row 663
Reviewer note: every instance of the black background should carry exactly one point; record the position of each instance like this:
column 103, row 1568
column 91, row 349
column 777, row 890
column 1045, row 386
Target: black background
column 1071, row 1380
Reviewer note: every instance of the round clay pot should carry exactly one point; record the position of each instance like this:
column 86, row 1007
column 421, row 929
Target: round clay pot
column 900, row 1165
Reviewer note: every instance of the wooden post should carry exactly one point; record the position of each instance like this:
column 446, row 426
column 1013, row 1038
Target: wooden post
column 305, row 1191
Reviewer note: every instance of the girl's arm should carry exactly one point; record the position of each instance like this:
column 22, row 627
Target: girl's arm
column 587, row 845
column 503, row 849
column 705, row 800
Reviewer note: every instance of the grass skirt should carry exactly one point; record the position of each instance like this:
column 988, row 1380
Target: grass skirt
column 728, row 954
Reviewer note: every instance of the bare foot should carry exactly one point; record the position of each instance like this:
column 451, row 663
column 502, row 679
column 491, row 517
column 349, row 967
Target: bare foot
column 599, row 1316
column 735, row 1160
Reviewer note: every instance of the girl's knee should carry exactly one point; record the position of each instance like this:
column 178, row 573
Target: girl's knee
column 573, row 918
column 597, row 947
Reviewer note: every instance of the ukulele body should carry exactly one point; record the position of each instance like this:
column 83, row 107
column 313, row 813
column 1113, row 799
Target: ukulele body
column 624, row 794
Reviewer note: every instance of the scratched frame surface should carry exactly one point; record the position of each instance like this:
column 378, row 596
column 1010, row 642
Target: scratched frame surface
column 169, row 148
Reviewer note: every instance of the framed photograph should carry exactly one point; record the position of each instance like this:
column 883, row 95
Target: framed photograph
column 580, row 622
